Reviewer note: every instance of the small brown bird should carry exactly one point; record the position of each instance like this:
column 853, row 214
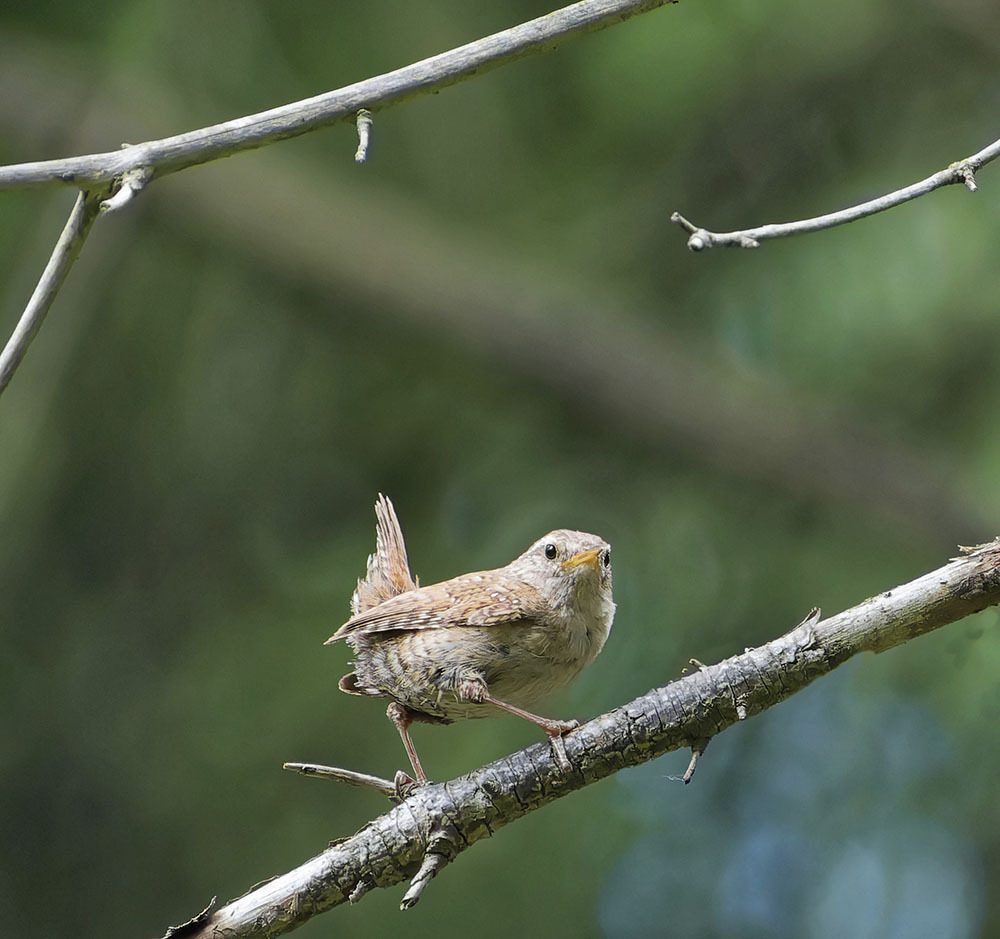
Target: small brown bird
column 464, row 648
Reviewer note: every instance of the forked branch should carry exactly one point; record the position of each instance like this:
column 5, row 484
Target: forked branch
column 130, row 168
column 291, row 120
column 419, row 837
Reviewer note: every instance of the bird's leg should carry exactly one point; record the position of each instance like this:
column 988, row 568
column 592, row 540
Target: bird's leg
column 478, row 692
column 402, row 719
column 555, row 729
column 552, row 727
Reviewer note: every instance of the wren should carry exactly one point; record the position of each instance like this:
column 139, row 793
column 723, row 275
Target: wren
column 482, row 643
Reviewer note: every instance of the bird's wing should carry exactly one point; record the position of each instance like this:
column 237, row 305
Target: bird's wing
column 388, row 571
column 483, row 599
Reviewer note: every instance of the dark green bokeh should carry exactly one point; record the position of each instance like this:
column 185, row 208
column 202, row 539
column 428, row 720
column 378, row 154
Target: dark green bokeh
column 240, row 362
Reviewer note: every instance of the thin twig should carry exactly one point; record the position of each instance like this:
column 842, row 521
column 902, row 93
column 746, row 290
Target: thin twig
column 429, row 867
column 364, row 122
column 445, row 819
column 290, row 120
column 349, row 776
column 964, row 172
column 66, row 251
column 697, row 749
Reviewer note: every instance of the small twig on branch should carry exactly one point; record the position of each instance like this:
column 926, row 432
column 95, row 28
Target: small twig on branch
column 438, row 821
column 364, row 122
column 66, row 251
column 132, row 183
column 964, row 172
column 360, row 889
column 431, row 864
column 697, row 749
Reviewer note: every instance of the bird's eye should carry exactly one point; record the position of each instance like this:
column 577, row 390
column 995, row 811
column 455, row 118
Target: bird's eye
column 607, row 558
column 551, row 552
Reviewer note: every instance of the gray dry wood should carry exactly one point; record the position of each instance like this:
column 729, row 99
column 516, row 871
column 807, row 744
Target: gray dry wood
column 420, row 836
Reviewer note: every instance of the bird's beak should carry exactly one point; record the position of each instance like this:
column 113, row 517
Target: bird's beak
column 590, row 556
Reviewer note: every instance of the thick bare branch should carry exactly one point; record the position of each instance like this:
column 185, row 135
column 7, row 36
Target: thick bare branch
column 419, row 837
column 129, row 169
column 66, row 251
column 964, row 171
column 291, row 120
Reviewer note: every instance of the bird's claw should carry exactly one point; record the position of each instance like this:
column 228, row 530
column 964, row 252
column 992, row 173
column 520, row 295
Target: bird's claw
column 406, row 785
column 555, row 730
column 558, row 728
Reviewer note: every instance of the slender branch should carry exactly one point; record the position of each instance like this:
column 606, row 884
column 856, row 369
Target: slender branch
column 291, row 120
column 66, row 251
column 964, row 171
column 427, row 831
column 362, row 780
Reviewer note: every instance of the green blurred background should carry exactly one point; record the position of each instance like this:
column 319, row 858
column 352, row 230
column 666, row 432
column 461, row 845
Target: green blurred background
column 494, row 322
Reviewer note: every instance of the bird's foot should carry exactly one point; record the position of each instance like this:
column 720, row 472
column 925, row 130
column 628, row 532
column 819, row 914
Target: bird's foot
column 556, row 728
column 472, row 690
column 405, row 785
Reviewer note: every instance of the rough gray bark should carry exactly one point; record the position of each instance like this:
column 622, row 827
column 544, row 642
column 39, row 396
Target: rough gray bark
column 427, row 831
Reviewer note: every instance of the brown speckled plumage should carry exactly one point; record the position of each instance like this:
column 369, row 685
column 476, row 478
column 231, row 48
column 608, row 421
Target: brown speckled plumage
column 483, row 642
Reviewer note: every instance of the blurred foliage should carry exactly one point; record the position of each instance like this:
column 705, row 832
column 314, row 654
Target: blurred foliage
column 193, row 445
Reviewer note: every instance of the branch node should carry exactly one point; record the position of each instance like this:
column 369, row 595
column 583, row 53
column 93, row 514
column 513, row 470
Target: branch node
column 431, row 864
column 132, row 182
column 700, row 238
column 969, row 177
column 364, row 124
column 808, row 633
column 360, row 889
